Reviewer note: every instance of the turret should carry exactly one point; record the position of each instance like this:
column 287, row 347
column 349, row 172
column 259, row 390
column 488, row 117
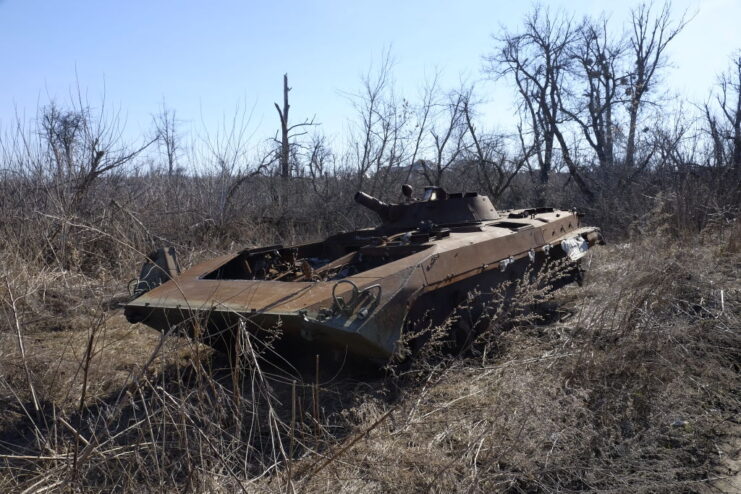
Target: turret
column 436, row 206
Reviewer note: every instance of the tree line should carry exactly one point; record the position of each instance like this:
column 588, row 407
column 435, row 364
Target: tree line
column 595, row 129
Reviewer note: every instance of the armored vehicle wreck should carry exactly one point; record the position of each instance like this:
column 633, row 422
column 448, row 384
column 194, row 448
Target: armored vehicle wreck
column 359, row 291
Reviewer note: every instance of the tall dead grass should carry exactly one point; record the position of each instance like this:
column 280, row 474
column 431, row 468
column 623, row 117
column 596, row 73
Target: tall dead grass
column 632, row 390
column 630, row 386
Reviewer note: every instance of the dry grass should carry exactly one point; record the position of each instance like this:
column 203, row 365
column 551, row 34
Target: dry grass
column 634, row 391
column 632, row 386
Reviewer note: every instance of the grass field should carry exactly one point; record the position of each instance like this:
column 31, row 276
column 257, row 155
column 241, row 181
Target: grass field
column 630, row 385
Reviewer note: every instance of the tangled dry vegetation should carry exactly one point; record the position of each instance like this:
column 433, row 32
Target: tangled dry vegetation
column 630, row 384
column 630, row 390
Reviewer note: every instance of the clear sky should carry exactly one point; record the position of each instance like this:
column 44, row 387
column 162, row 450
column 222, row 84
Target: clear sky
column 204, row 58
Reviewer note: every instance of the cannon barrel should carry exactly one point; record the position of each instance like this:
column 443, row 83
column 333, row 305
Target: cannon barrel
column 381, row 208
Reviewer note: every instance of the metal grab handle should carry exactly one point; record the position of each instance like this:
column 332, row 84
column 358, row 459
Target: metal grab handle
column 373, row 287
column 339, row 302
column 346, row 307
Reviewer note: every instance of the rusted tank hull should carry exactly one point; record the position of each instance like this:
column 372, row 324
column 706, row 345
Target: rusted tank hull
column 370, row 286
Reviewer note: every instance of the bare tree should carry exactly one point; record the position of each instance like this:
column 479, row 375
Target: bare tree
column 448, row 139
column 723, row 125
column 595, row 97
column 725, row 128
column 286, row 132
column 651, row 34
column 166, row 134
column 369, row 145
column 538, row 59
column 80, row 145
column 383, row 137
column 493, row 166
column 423, row 116
column 228, row 163
column 320, row 157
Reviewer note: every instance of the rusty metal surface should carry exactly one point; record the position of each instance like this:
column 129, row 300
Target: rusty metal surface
column 359, row 290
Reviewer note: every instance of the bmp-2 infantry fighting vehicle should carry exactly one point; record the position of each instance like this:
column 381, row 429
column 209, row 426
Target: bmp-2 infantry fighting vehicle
column 359, row 291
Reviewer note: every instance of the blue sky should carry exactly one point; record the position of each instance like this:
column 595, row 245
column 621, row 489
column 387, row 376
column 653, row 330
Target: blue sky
column 204, row 58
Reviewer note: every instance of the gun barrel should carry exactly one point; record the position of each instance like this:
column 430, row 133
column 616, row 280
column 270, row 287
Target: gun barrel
column 373, row 204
